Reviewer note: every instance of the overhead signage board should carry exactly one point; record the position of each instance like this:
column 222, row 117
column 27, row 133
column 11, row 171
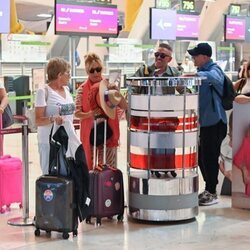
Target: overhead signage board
column 162, row 24
column 4, row 17
column 86, row 19
column 247, row 38
column 187, row 26
column 163, row 4
column 235, row 28
column 187, row 5
column 234, row 9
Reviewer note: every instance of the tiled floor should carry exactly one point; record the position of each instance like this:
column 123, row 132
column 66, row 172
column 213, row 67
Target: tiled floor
column 216, row 227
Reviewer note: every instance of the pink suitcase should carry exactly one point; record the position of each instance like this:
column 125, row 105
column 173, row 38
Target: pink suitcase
column 10, row 182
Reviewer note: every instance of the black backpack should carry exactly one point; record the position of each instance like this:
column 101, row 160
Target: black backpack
column 228, row 93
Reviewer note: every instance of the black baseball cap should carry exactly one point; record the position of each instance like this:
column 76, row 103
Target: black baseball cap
column 201, row 49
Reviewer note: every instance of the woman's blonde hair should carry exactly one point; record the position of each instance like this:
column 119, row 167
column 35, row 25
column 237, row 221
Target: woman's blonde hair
column 90, row 58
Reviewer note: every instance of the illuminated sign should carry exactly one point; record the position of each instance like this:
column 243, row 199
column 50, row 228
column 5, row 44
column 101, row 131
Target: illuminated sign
column 86, row 19
column 4, row 17
column 234, row 9
column 187, row 5
column 235, row 28
column 163, row 4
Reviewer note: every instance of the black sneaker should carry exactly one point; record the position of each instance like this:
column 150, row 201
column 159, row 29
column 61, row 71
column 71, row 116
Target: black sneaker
column 208, row 200
column 203, row 194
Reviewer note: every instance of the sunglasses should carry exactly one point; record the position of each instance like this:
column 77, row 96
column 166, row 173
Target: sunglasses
column 98, row 70
column 162, row 55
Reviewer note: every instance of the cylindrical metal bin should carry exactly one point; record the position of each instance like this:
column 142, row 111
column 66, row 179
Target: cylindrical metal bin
column 162, row 148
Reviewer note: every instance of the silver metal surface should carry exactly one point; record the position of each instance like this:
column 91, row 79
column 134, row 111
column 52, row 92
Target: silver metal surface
column 163, row 199
column 164, row 215
column 19, row 221
column 160, row 103
column 162, row 139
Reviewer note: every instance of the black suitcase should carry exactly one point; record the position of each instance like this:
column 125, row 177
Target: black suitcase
column 55, row 205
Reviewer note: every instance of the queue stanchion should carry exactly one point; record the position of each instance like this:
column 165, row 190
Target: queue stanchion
column 24, row 220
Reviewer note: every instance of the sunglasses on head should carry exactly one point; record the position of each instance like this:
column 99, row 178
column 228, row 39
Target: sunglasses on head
column 98, row 70
column 162, row 55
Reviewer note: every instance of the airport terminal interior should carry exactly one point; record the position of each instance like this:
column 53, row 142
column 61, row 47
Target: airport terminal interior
column 159, row 212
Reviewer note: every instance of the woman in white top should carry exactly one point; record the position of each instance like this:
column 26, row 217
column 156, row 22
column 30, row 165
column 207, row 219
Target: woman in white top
column 242, row 86
column 48, row 103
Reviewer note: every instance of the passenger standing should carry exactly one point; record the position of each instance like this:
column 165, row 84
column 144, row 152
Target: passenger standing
column 242, row 86
column 86, row 114
column 163, row 56
column 212, row 119
column 47, row 103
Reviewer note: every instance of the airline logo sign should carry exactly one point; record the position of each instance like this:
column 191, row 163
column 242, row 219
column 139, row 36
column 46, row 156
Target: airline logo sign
column 165, row 27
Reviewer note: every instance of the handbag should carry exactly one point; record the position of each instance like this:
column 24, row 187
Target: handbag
column 7, row 117
column 100, row 134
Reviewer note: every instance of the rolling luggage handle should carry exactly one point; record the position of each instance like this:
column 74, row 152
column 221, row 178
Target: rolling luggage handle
column 104, row 143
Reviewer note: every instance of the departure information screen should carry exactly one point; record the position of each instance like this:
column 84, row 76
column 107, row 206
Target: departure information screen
column 86, row 19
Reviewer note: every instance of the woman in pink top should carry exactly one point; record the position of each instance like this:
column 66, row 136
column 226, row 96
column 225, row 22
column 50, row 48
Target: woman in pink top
column 242, row 160
column 86, row 113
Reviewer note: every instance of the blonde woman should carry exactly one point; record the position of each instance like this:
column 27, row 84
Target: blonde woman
column 86, row 113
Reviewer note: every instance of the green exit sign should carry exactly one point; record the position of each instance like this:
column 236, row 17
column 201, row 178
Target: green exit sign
column 187, row 5
column 234, row 9
column 163, row 4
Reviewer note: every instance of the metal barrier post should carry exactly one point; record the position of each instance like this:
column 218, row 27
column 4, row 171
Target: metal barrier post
column 24, row 220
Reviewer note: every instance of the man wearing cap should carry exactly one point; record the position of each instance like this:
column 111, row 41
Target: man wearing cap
column 212, row 119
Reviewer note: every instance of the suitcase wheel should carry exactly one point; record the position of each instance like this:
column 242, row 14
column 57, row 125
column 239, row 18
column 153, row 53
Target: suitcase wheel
column 120, row 217
column 20, row 205
column 88, row 220
column 48, row 232
column 75, row 233
column 98, row 221
column 37, row 232
column 65, row 235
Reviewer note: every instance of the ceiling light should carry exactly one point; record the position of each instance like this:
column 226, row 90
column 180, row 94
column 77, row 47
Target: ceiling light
column 44, row 15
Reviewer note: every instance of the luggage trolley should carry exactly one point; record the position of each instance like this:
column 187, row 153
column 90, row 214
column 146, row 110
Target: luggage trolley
column 162, row 148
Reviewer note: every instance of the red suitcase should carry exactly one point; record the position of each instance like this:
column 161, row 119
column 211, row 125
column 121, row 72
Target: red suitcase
column 10, row 182
column 106, row 190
